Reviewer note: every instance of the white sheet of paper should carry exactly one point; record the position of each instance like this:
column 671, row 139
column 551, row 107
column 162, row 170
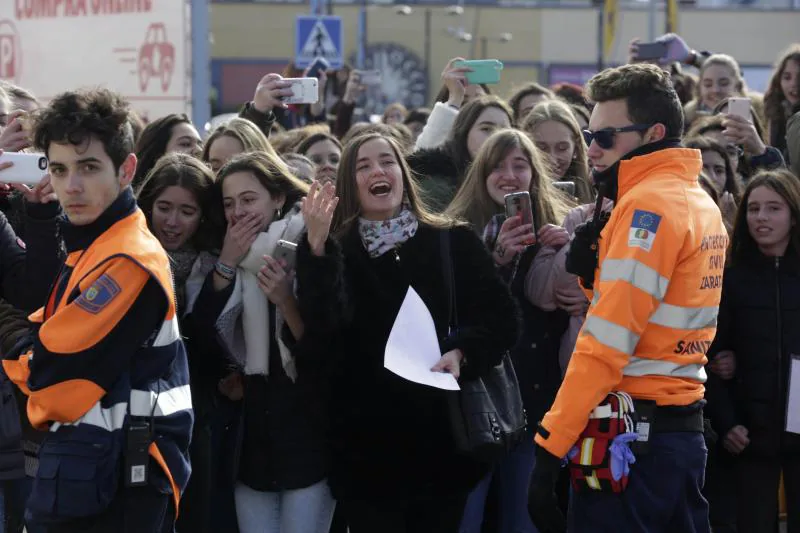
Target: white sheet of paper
column 413, row 347
column 793, row 398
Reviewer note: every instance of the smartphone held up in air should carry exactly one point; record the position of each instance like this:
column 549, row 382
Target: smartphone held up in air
column 305, row 91
column 483, row 71
column 739, row 106
column 319, row 66
column 650, row 51
column 519, row 204
column 370, row 77
column 28, row 169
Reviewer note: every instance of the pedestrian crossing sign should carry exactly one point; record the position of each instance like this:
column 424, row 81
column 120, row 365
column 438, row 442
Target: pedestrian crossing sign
column 318, row 37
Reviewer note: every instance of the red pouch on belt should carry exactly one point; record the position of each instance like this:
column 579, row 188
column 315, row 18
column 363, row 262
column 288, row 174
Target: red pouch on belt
column 590, row 460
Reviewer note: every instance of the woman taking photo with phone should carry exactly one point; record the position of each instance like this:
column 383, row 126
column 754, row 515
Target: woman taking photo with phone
column 395, row 467
column 248, row 301
column 757, row 328
column 509, row 163
column 443, row 169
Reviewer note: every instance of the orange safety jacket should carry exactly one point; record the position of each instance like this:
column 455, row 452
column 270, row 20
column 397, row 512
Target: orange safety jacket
column 656, row 295
column 73, row 371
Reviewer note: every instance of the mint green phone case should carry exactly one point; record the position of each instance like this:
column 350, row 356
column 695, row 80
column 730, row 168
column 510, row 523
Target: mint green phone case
column 483, row 70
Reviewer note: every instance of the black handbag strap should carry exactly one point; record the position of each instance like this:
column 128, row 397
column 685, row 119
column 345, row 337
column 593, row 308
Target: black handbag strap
column 449, row 281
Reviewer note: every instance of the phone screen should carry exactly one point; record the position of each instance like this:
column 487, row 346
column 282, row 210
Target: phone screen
column 651, row 50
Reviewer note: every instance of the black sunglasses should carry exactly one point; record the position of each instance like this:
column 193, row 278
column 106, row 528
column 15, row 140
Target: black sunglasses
column 605, row 137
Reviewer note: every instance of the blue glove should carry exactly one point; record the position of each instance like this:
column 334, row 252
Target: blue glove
column 621, row 455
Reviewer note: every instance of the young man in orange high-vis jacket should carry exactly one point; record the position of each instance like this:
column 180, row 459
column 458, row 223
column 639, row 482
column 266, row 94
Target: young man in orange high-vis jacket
column 103, row 363
column 655, row 295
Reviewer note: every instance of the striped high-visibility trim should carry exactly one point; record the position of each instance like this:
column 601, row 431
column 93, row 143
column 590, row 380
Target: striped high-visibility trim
column 679, row 317
column 638, row 367
column 612, row 335
column 168, row 333
column 169, row 401
column 637, row 274
column 112, row 418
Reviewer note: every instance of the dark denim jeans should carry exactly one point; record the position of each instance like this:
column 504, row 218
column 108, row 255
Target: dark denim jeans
column 512, row 475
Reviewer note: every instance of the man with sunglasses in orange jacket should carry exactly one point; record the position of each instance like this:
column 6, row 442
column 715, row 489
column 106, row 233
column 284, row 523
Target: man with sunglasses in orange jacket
column 655, row 293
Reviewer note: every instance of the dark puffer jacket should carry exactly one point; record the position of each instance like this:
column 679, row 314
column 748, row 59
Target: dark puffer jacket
column 758, row 320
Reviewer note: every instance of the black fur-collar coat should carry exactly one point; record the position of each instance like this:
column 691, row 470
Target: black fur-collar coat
column 439, row 176
column 391, row 438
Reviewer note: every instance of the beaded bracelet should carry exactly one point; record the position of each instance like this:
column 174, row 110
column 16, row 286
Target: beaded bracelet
column 224, row 271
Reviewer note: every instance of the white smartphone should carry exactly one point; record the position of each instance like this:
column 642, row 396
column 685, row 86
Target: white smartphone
column 28, row 169
column 287, row 251
column 306, row 91
column 739, row 106
column 370, row 77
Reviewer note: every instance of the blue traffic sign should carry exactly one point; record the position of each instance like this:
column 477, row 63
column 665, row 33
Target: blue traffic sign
column 318, row 37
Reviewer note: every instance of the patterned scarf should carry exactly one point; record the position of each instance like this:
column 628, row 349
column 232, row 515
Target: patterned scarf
column 181, row 262
column 380, row 236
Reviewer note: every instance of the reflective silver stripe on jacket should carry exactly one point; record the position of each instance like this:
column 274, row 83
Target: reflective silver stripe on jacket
column 637, row 274
column 142, row 402
column 679, row 317
column 612, row 335
column 649, row 367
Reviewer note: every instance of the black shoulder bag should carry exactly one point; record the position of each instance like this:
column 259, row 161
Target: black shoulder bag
column 486, row 415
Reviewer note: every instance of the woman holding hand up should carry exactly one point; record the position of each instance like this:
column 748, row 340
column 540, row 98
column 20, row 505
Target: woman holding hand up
column 394, row 467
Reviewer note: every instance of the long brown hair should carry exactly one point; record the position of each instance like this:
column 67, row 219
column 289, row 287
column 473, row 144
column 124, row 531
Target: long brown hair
column 349, row 207
column 578, row 171
column 187, row 172
column 774, row 97
column 472, row 202
column 785, row 184
column 456, row 144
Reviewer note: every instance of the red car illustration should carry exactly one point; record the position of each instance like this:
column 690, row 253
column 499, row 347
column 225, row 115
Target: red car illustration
column 156, row 57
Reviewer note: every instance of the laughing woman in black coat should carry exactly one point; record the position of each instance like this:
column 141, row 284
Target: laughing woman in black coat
column 395, row 466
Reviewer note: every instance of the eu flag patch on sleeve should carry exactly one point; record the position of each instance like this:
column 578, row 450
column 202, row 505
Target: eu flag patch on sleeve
column 99, row 295
column 643, row 229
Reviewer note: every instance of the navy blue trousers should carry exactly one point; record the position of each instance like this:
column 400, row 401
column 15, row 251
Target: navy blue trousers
column 664, row 493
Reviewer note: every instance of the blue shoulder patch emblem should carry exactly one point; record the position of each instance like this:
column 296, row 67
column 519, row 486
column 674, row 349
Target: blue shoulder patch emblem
column 643, row 229
column 99, row 295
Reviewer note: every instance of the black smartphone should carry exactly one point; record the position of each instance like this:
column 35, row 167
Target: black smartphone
column 287, row 251
column 655, row 50
column 319, row 65
column 568, row 187
column 519, row 204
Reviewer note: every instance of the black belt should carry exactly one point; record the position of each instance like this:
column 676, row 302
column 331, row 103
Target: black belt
column 673, row 418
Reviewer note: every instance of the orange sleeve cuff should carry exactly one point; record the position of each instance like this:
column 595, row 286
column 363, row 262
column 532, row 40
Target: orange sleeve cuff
column 557, row 444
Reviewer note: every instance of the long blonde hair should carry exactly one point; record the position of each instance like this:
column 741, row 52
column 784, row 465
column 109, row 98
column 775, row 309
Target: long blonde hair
column 244, row 131
column 578, row 171
column 349, row 207
column 472, row 202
